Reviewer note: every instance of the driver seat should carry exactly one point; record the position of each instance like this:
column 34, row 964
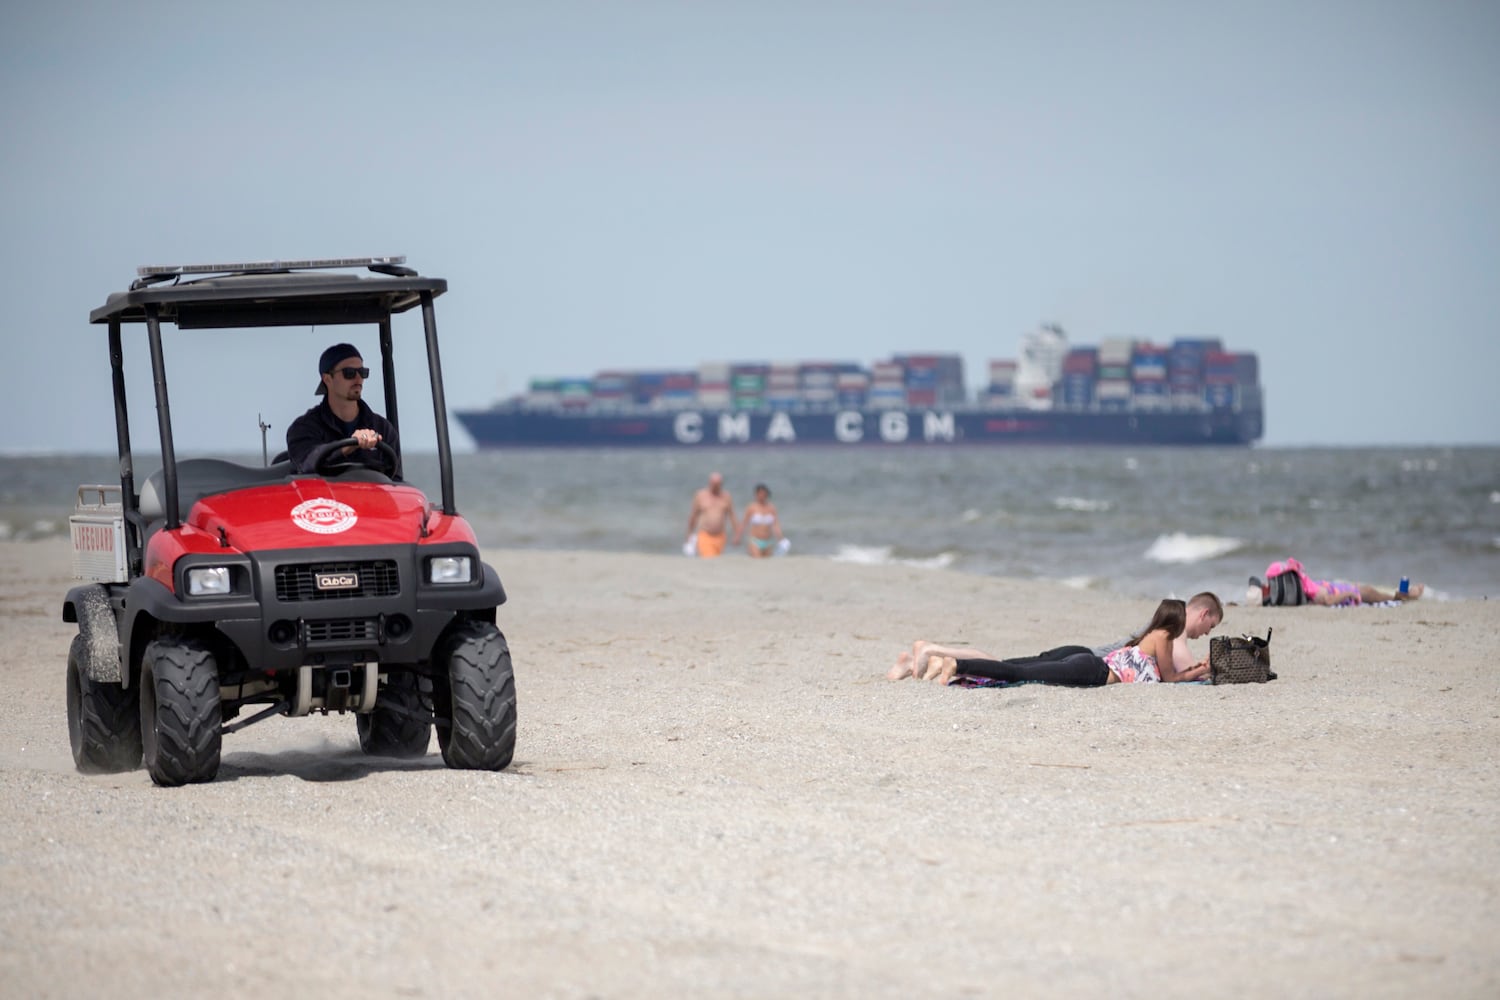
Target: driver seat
column 203, row 477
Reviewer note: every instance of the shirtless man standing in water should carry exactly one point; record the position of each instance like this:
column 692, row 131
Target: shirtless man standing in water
column 713, row 513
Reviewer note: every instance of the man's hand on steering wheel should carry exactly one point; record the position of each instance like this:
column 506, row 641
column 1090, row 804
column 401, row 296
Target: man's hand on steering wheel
column 332, row 456
column 365, row 438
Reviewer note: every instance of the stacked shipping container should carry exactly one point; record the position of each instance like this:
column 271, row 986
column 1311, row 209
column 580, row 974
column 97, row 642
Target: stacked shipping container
column 1001, row 391
column 713, row 385
column 932, row 379
column 1119, row 374
column 1080, row 369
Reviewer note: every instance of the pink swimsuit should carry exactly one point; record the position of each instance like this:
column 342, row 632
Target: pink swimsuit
column 1346, row 592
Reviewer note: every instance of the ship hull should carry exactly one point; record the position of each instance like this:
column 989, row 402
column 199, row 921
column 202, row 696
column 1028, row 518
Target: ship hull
column 937, row 427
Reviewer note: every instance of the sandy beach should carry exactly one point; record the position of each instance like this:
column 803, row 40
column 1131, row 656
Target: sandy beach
column 717, row 793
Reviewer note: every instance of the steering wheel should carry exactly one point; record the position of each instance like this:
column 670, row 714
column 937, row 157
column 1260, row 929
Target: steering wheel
column 329, row 458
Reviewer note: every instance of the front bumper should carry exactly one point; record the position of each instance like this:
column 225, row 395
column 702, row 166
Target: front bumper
column 278, row 620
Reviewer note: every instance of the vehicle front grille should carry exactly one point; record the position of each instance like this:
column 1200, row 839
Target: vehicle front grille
column 342, row 630
column 377, row 578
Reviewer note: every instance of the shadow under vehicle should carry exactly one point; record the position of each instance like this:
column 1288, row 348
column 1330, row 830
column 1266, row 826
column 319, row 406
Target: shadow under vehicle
column 221, row 595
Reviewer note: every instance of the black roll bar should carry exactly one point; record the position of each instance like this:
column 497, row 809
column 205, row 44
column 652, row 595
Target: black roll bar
column 388, row 373
column 128, row 504
column 439, row 403
column 163, row 417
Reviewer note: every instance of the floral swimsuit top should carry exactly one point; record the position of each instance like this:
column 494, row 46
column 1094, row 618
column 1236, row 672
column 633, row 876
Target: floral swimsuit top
column 1132, row 666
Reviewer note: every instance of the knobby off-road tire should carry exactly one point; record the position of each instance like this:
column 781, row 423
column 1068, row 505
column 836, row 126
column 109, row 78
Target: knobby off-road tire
column 104, row 720
column 180, row 718
column 477, row 709
column 400, row 725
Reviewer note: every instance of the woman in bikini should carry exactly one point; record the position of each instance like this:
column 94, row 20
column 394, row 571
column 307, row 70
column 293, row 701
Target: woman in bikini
column 1334, row 593
column 762, row 525
column 1146, row 658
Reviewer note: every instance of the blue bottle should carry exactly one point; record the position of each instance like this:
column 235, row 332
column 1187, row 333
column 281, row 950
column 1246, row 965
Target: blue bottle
column 1405, row 587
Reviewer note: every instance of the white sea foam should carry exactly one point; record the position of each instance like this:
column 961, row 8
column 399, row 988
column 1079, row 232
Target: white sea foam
column 1081, row 504
column 864, row 555
column 881, row 555
column 969, row 516
column 1078, row 582
column 1495, row 497
column 1181, row 548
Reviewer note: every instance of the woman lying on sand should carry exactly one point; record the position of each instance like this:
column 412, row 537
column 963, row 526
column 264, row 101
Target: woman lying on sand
column 1334, row 593
column 1146, row 658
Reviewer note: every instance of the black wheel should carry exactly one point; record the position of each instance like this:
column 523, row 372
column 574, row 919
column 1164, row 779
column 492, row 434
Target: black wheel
column 180, row 716
column 476, row 707
column 400, row 725
column 104, row 720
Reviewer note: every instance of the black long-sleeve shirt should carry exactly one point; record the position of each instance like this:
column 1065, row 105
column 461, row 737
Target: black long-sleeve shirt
column 319, row 426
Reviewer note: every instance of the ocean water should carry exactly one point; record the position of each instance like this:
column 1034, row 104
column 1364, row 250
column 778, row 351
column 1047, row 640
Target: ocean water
column 1142, row 522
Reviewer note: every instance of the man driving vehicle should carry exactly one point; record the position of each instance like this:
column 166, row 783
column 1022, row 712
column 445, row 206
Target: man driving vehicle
column 342, row 414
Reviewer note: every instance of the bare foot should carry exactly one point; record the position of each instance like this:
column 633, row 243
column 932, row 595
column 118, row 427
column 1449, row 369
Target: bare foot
column 921, row 660
column 950, row 668
column 902, row 668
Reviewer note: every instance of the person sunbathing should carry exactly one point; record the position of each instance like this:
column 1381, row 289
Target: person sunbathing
column 1146, row 658
column 1204, row 614
column 1337, row 592
column 1332, row 593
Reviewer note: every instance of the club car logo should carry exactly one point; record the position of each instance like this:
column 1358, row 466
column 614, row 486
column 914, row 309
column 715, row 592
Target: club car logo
column 324, row 516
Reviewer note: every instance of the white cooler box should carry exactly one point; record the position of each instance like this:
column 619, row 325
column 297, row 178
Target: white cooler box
column 97, row 525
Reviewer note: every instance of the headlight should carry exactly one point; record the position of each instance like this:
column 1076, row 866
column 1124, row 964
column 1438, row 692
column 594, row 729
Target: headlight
column 450, row 569
column 203, row 581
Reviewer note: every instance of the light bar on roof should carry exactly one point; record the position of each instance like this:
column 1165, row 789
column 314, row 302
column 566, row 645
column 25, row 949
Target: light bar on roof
column 267, row 265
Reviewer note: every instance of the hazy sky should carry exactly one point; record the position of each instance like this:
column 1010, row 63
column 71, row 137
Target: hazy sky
column 653, row 184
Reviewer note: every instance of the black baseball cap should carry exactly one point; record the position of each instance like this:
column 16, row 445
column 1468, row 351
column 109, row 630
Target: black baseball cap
column 330, row 360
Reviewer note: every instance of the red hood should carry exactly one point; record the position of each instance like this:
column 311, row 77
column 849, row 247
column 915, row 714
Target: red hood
column 312, row 512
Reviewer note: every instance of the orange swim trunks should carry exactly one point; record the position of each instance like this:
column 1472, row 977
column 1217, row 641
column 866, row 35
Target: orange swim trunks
column 710, row 545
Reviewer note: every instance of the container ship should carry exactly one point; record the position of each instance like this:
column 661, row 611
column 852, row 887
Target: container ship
column 1123, row 391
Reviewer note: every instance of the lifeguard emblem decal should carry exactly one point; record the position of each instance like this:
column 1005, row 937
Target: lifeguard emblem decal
column 324, row 516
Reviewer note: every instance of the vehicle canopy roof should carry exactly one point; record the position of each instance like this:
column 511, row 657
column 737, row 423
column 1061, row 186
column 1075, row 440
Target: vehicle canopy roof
column 270, row 293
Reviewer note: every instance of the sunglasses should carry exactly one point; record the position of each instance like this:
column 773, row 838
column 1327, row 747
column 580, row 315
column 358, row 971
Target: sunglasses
column 350, row 373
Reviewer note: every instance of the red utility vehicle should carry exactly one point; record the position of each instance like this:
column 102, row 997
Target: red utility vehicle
column 220, row 589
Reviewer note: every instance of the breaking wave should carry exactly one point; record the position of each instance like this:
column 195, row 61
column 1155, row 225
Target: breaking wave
column 884, row 555
column 1181, row 548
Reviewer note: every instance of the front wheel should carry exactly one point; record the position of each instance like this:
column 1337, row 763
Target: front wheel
column 181, row 722
column 399, row 725
column 104, row 721
column 476, row 707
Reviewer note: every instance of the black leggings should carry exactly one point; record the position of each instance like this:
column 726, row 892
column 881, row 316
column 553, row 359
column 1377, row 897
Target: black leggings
column 1069, row 666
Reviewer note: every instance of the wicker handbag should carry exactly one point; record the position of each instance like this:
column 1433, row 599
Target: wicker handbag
column 1240, row 659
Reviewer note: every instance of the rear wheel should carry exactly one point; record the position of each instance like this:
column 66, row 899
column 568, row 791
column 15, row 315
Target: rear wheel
column 181, row 722
column 476, row 707
column 104, row 721
column 400, row 725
